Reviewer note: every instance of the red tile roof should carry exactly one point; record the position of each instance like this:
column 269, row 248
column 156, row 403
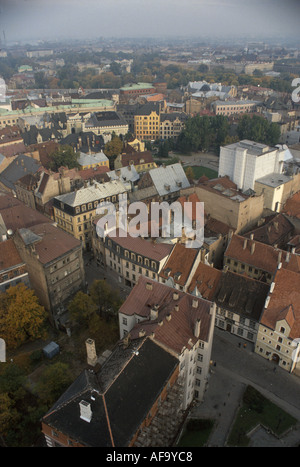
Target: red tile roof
column 174, row 326
column 136, row 158
column 264, row 257
column 53, row 242
column 206, row 280
column 9, row 256
column 284, row 302
column 292, row 206
column 17, row 215
column 179, row 264
column 138, row 245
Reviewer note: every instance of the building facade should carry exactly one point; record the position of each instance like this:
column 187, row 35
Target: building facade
column 278, row 333
column 74, row 212
column 55, row 266
column 246, row 161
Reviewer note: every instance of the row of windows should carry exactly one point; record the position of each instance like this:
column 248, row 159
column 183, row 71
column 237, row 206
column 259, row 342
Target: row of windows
column 131, row 256
column 269, row 354
column 89, row 206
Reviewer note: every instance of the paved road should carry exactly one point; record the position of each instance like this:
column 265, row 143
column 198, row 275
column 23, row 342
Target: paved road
column 235, row 368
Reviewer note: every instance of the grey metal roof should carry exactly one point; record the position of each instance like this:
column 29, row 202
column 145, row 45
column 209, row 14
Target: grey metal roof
column 19, row 167
column 125, row 174
column 93, row 192
column 168, row 179
column 90, row 159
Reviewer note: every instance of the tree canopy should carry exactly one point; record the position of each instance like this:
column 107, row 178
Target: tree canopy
column 259, row 129
column 202, row 133
column 64, row 156
column 22, row 318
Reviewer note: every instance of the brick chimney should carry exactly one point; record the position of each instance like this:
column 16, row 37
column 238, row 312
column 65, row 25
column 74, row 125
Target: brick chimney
column 91, row 352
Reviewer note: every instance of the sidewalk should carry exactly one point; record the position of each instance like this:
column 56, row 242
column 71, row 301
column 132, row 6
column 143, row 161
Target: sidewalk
column 236, row 368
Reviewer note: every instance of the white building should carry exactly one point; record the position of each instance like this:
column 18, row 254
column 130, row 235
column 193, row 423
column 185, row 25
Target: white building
column 246, row 161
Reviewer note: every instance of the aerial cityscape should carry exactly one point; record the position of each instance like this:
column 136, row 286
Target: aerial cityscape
column 149, row 225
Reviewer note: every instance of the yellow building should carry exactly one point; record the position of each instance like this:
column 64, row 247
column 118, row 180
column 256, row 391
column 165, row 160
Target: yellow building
column 74, row 212
column 90, row 161
column 147, row 123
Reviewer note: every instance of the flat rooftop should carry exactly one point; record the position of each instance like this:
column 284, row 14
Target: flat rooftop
column 251, row 146
column 274, row 180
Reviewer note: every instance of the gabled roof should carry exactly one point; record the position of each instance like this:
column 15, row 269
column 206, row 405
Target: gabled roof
column 141, row 246
column 179, row 264
column 90, row 159
column 259, row 255
column 284, row 302
column 50, row 242
column 16, row 214
column 174, row 326
column 94, row 192
column 205, row 281
column 120, row 395
column 241, row 295
column 273, row 231
column 169, row 179
column 9, row 256
column 136, row 158
column 19, row 167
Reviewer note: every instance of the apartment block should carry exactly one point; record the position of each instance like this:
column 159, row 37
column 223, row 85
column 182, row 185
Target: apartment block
column 247, row 161
column 180, row 323
column 74, row 212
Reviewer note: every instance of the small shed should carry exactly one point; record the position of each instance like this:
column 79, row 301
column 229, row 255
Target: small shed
column 51, row 350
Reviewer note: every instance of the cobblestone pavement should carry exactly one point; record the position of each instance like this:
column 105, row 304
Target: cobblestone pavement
column 235, row 368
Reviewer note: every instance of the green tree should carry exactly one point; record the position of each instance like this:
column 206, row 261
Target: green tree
column 53, row 382
column 82, row 308
column 64, row 156
column 104, row 297
column 113, row 147
column 259, row 129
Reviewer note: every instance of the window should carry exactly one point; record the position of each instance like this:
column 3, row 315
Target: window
column 282, row 330
column 124, row 321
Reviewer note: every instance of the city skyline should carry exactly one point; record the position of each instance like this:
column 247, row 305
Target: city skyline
column 26, row 20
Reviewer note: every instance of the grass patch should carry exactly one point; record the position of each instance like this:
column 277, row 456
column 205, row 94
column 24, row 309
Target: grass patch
column 256, row 409
column 199, row 171
column 196, row 433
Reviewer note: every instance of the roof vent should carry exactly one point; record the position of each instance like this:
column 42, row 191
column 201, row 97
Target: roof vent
column 85, row 411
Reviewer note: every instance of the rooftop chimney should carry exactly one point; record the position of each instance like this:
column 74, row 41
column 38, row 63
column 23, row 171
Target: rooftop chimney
column 175, row 296
column 252, row 248
column 195, row 303
column 245, row 244
column 91, row 352
column 197, row 328
column 154, row 312
column 85, row 411
column 279, row 256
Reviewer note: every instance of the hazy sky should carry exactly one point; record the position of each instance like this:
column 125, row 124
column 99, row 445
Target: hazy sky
column 49, row 19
